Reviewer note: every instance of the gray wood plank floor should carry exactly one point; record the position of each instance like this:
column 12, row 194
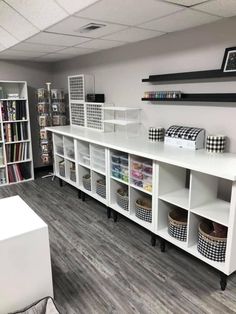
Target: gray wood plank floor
column 104, row 267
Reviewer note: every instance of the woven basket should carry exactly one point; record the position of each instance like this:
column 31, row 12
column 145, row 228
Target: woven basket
column 122, row 200
column 87, row 182
column 72, row 175
column 143, row 209
column 177, row 224
column 62, row 170
column 101, row 188
column 211, row 247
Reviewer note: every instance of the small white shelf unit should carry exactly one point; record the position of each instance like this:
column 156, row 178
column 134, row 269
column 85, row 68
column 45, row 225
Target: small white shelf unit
column 188, row 180
column 16, row 159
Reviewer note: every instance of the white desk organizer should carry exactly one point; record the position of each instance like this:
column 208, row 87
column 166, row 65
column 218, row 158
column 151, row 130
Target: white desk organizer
column 185, row 137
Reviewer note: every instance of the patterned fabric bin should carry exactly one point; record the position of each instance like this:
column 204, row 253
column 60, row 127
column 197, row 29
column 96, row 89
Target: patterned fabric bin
column 215, row 143
column 87, row 182
column 122, row 199
column 210, row 246
column 62, row 169
column 101, row 188
column 143, row 209
column 177, row 224
column 72, row 175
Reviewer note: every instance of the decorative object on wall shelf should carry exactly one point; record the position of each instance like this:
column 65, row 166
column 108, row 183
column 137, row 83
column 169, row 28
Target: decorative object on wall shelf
column 162, row 95
column 212, row 244
column 220, row 97
column 229, row 60
column 215, row 143
column 185, row 137
column 156, row 134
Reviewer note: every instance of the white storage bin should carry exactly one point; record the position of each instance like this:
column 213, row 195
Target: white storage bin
column 84, row 158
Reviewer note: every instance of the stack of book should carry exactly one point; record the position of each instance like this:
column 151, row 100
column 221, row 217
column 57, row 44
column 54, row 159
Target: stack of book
column 17, row 152
column 15, row 131
column 18, row 172
column 13, row 110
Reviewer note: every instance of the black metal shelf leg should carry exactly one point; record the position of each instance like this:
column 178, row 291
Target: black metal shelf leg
column 162, row 245
column 153, row 239
column 83, row 196
column 79, row 194
column 108, row 212
column 115, row 216
column 60, row 182
column 223, row 281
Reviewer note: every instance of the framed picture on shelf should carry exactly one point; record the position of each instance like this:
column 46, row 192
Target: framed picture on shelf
column 229, row 60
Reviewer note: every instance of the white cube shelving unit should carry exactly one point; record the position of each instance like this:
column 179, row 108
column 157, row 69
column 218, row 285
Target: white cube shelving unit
column 16, row 162
column 186, row 179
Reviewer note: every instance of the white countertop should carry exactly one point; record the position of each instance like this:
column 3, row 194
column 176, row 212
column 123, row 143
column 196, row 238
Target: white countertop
column 17, row 218
column 221, row 165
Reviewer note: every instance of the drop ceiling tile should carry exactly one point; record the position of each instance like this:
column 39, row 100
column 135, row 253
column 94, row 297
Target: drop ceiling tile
column 76, row 51
column 218, row 7
column 56, row 39
column 14, row 23
column 6, row 39
column 74, row 6
column 41, row 13
column 128, row 12
column 72, row 26
column 187, row 3
column 53, row 57
column 133, row 34
column 101, row 44
column 37, row 47
column 180, row 20
column 23, row 54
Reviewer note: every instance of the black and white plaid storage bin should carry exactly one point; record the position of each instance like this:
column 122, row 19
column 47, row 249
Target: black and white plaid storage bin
column 177, row 225
column 184, row 132
column 62, row 169
column 215, row 143
column 211, row 247
column 87, row 182
column 122, row 199
column 143, row 210
column 101, row 188
column 72, row 175
column 156, row 134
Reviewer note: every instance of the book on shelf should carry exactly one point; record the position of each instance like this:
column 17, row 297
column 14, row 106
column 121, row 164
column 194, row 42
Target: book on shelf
column 18, row 172
column 17, row 152
column 16, row 131
column 1, row 155
column 13, row 110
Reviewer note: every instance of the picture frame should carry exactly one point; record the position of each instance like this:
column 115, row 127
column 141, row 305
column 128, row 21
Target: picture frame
column 229, row 60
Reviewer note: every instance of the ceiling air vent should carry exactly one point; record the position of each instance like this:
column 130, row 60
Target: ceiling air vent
column 90, row 27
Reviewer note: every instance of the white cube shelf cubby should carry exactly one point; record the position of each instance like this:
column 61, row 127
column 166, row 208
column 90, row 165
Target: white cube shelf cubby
column 191, row 181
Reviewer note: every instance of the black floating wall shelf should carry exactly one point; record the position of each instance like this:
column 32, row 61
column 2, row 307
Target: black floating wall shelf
column 198, row 97
column 198, row 75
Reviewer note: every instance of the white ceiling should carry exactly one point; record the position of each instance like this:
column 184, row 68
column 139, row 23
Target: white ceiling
column 50, row 30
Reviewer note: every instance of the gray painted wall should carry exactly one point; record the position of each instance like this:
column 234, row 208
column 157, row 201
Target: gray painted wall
column 36, row 74
column 118, row 73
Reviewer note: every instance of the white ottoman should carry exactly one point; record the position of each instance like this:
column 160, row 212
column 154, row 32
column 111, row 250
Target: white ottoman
column 25, row 265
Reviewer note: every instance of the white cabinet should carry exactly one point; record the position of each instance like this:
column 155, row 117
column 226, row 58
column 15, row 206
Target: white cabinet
column 164, row 178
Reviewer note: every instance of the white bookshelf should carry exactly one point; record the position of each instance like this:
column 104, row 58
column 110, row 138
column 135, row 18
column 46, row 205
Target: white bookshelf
column 189, row 180
column 17, row 166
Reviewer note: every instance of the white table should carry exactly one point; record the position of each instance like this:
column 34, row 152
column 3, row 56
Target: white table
column 25, row 265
